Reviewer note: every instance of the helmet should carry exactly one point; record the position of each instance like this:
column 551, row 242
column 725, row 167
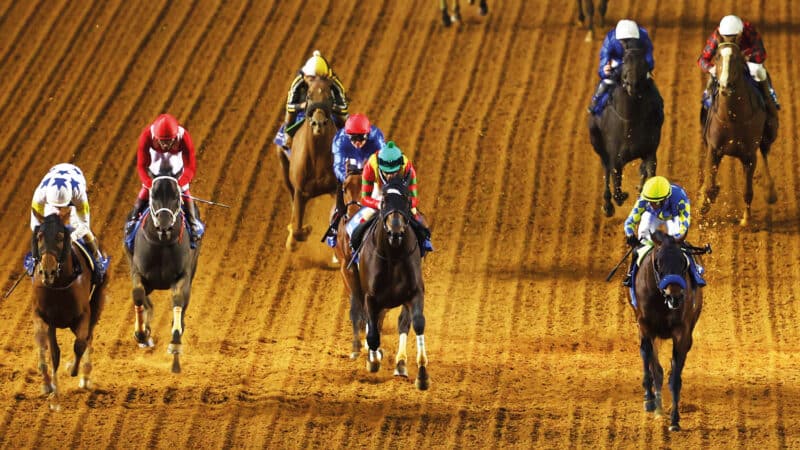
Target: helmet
column 656, row 189
column 165, row 127
column 58, row 195
column 357, row 124
column 627, row 29
column 316, row 66
column 390, row 158
column 730, row 25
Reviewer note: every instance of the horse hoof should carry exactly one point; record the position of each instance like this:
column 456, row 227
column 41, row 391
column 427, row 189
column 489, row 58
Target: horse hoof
column 445, row 19
column 354, row 355
column 744, row 222
column 373, row 367
column 176, row 364
column 143, row 339
column 291, row 244
column 400, row 370
column 48, row 389
column 484, row 8
column 55, row 407
column 423, row 381
column 649, row 405
column 772, row 198
column 85, row 383
column 608, row 208
column 620, row 198
column 659, row 411
column 589, row 37
column 674, row 427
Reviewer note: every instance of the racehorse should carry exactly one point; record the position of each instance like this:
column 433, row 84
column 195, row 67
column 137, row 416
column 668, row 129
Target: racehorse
column 630, row 126
column 308, row 170
column 390, row 272
column 586, row 13
column 736, row 125
column 667, row 307
column 63, row 297
column 163, row 258
column 448, row 19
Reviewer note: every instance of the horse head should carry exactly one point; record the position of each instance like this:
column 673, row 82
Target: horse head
column 351, row 189
column 395, row 213
column 634, row 66
column 319, row 105
column 50, row 247
column 165, row 207
column 670, row 266
column 730, row 65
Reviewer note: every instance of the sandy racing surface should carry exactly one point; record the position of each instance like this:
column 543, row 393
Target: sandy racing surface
column 528, row 345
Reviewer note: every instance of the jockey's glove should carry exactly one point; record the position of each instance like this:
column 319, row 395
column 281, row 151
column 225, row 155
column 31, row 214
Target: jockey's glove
column 632, row 240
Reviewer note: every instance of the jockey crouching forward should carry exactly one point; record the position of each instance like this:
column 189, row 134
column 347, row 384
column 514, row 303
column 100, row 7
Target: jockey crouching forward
column 388, row 163
column 315, row 67
column 732, row 29
column 166, row 143
column 660, row 204
column 63, row 191
column 352, row 146
column 611, row 55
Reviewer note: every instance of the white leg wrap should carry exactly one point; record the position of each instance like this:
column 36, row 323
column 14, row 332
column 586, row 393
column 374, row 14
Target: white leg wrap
column 401, row 347
column 176, row 319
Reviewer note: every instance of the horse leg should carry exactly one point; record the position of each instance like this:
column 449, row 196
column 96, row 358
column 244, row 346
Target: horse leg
column 456, row 17
column 403, row 325
column 619, row 196
column 55, row 358
column 772, row 196
column 284, row 168
column 40, row 336
column 749, row 170
column 483, row 7
column 141, row 326
column 357, row 321
column 710, row 187
column 445, row 15
column 297, row 231
column 423, row 381
column 589, row 15
column 180, row 299
column 680, row 350
column 581, row 16
column 646, row 350
column 373, row 334
column 86, row 368
column 646, row 170
column 81, row 331
column 602, row 12
column 608, row 207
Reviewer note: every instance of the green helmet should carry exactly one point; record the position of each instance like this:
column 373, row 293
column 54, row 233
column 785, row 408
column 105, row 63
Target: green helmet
column 390, row 158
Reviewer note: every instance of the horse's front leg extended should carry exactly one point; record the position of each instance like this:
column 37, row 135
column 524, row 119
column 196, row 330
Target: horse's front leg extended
column 423, row 381
column 589, row 15
column 373, row 334
column 646, row 170
column 679, row 352
column 297, row 231
column 55, row 357
column 81, row 342
column 619, row 196
column 403, row 325
column 772, row 195
column 40, row 336
column 710, row 188
column 357, row 319
column 608, row 207
column 646, row 350
column 141, row 326
column 749, row 171
column 180, row 297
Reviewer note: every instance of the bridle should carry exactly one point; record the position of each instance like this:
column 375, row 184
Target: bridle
column 673, row 301
column 154, row 212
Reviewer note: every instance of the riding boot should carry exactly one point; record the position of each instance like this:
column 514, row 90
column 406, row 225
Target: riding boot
column 708, row 92
column 288, row 131
column 133, row 217
column 196, row 227
column 770, row 97
column 601, row 89
column 100, row 261
column 628, row 281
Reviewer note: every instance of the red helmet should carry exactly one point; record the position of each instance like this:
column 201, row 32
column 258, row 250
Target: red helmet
column 165, row 127
column 357, row 124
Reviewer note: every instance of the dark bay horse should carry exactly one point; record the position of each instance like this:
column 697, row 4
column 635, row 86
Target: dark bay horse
column 390, row 271
column 736, row 125
column 448, row 19
column 347, row 204
column 308, row 170
column 63, row 297
column 162, row 259
column 586, row 15
column 629, row 127
column 667, row 307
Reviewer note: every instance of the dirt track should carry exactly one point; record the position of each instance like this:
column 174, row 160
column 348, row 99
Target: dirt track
column 528, row 346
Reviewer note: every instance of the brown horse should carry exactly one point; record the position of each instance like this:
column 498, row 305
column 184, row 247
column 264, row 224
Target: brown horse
column 667, row 306
column 586, row 14
column 390, row 271
column 448, row 19
column 308, row 170
column 63, row 297
column 347, row 204
column 736, row 125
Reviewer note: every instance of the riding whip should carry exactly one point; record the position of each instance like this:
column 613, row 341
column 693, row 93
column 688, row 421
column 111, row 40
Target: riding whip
column 207, row 202
column 614, row 270
column 14, row 286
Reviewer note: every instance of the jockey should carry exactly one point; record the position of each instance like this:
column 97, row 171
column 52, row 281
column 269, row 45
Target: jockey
column 388, row 163
column 63, row 191
column 732, row 28
column 316, row 66
column 611, row 54
column 661, row 203
column 353, row 144
column 166, row 142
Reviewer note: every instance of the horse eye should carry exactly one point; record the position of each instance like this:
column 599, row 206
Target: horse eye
column 60, row 237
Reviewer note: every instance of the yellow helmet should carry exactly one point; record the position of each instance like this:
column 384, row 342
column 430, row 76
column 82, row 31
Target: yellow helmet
column 316, row 66
column 656, row 189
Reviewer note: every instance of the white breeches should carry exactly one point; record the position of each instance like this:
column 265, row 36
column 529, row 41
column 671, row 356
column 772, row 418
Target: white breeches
column 757, row 71
column 650, row 223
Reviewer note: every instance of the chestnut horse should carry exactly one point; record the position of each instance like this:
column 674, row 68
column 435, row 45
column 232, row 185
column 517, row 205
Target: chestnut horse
column 586, row 14
column 736, row 125
column 63, row 297
column 390, row 271
column 448, row 19
column 308, row 169
column 667, row 306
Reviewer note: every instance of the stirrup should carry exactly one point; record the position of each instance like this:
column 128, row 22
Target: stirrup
column 627, row 280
